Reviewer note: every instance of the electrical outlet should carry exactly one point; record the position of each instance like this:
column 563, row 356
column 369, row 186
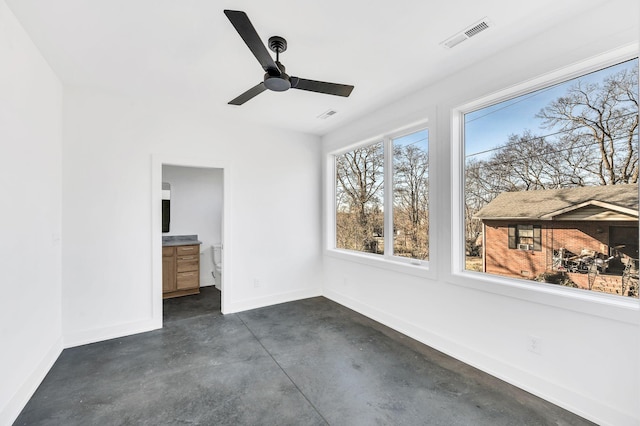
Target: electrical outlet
column 534, row 344
column 256, row 283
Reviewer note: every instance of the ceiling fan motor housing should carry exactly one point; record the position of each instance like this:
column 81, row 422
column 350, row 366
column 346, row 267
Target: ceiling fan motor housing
column 278, row 82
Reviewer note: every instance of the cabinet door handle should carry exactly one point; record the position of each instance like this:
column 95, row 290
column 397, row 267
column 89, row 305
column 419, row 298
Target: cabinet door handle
column 188, row 258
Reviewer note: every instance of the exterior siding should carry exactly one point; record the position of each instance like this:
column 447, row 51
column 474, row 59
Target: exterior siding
column 573, row 236
column 594, row 213
column 501, row 260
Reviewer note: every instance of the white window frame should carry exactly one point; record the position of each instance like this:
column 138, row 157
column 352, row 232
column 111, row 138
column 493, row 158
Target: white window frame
column 387, row 260
column 512, row 287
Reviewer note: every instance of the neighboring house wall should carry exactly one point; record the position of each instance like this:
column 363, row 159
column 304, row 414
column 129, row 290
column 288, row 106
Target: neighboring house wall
column 501, row 260
column 574, row 236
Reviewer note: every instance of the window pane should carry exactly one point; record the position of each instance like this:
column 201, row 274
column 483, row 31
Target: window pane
column 411, row 195
column 551, row 184
column 359, row 199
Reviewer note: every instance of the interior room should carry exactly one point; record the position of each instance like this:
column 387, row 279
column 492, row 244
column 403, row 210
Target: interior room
column 102, row 102
column 195, row 198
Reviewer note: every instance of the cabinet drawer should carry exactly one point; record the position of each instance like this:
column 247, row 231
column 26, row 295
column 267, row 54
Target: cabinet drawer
column 167, row 251
column 187, row 263
column 187, row 280
column 184, row 250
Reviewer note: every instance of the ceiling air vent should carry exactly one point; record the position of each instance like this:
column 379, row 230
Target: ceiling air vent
column 327, row 114
column 468, row 32
column 476, row 29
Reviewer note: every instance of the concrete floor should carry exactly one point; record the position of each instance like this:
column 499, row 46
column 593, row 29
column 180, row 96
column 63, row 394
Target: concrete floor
column 310, row 362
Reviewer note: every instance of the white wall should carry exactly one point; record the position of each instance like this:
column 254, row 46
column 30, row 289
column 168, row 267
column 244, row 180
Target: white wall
column 590, row 345
column 30, row 176
column 109, row 262
column 196, row 208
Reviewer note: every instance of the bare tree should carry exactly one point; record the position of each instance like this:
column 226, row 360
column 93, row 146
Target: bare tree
column 592, row 141
column 359, row 184
column 411, row 197
column 602, row 117
column 479, row 191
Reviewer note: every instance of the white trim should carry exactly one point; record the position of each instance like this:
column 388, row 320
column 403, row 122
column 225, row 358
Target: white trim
column 398, row 131
column 608, row 306
column 388, row 260
column 274, row 299
column 560, row 75
column 94, row 335
column 596, row 203
column 617, row 308
column 329, row 192
column 458, row 247
column 391, row 263
column 389, row 235
column 10, row 412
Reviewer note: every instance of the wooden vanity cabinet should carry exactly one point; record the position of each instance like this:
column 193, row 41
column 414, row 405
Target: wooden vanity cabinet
column 168, row 270
column 180, row 270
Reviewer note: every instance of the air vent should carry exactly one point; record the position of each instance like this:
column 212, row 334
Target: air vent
column 469, row 32
column 476, row 29
column 327, row 114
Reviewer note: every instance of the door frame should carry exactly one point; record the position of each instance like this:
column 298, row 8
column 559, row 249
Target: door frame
column 157, row 161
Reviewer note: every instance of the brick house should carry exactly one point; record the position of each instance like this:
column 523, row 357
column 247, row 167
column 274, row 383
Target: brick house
column 523, row 230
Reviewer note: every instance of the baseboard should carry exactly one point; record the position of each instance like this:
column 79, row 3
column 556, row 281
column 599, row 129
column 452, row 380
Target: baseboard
column 548, row 390
column 274, row 299
column 85, row 337
column 12, row 410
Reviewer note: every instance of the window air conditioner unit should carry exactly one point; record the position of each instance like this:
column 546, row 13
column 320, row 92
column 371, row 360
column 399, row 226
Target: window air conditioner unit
column 525, row 247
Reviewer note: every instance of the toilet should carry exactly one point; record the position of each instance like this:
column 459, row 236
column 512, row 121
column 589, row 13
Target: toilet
column 217, row 264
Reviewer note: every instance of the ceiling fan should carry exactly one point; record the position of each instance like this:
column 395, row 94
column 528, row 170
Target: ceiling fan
column 275, row 78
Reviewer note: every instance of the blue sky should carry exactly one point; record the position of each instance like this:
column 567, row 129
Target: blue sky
column 420, row 138
column 491, row 127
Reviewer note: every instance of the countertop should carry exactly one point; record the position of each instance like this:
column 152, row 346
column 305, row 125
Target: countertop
column 180, row 240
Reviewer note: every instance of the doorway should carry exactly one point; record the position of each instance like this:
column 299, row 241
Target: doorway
column 196, row 205
column 197, row 210
column 623, row 246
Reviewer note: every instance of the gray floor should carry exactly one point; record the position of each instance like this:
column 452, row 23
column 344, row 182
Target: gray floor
column 310, row 362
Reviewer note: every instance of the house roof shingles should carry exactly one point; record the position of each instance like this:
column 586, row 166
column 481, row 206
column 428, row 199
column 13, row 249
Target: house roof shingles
column 542, row 203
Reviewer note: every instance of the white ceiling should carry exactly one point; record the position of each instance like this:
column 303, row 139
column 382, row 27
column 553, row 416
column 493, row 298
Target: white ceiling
column 187, row 50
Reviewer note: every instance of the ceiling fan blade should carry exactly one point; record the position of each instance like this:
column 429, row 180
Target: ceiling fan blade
column 245, row 28
column 249, row 94
column 321, row 87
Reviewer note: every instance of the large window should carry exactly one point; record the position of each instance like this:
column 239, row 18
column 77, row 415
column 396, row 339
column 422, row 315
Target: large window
column 360, row 199
column 382, row 194
column 551, row 184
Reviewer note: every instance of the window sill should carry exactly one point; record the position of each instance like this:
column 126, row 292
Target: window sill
column 390, row 263
column 604, row 305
